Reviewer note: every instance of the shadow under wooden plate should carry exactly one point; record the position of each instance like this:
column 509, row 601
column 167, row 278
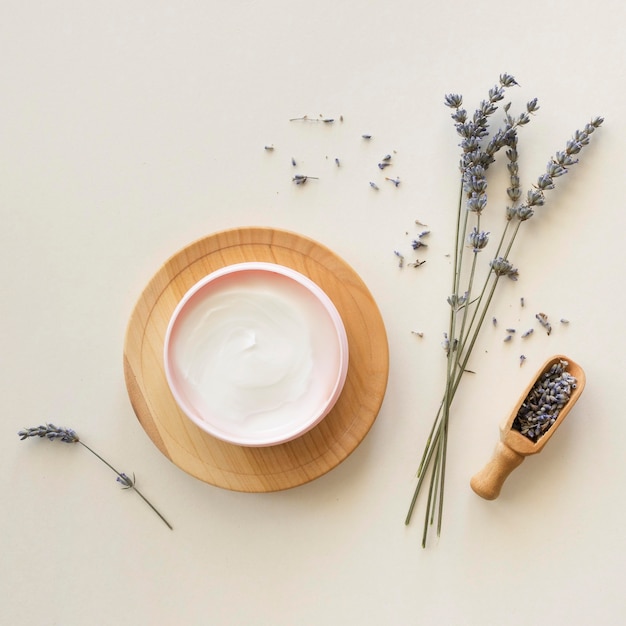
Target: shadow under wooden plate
column 243, row 468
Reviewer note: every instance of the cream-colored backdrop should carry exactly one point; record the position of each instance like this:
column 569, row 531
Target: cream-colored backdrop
column 129, row 129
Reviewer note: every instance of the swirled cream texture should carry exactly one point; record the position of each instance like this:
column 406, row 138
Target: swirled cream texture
column 254, row 351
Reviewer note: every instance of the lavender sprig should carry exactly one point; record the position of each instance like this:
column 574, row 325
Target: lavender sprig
column 67, row 435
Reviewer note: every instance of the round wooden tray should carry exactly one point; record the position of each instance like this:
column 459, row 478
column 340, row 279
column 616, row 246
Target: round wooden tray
column 244, row 468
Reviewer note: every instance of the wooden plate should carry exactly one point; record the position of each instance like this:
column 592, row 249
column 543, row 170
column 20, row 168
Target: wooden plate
column 243, row 468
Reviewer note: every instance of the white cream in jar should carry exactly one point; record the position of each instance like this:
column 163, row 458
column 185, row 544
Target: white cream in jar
column 256, row 354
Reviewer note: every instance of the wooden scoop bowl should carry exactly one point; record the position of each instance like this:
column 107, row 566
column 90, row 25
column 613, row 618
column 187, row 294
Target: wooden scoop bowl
column 514, row 447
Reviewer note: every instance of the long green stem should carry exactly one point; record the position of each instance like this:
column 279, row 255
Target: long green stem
column 468, row 295
column 437, row 440
column 152, row 507
column 429, row 440
column 431, row 495
column 98, row 456
column 428, row 453
column 457, row 251
column 439, row 474
column 478, row 301
column 131, row 484
column 442, row 463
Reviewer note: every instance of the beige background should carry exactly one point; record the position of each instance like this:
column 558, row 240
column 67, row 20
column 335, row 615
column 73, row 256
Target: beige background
column 129, row 129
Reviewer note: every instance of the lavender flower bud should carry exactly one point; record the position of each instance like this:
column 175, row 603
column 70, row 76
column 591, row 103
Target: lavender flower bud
column 486, row 108
column 524, row 212
column 545, row 182
column 512, row 155
column 564, row 159
column 554, row 170
column 460, row 116
column 477, row 240
column 475, row 184
column 496, row 94
column 125, row 481
column 573, row 147
column 510, row 213
column 514, row 193
column 456, row 301
column 532, row 106
column 534, row 197
column 477, row 202
column 453, row 100
column 582, row 137
column 506, row 80
column 501, row 267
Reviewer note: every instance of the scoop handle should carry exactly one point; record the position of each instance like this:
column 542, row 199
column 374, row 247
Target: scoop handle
column 488, row 482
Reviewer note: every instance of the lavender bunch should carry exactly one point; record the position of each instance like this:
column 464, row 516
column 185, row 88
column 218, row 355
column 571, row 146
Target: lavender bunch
column 67, row 435
column 469, row 306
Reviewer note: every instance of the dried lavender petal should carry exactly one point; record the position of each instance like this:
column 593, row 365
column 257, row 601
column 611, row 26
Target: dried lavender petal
column 544, row 401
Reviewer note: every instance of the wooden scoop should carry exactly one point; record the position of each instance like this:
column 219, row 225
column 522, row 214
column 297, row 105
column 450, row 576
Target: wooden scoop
column 514, row 447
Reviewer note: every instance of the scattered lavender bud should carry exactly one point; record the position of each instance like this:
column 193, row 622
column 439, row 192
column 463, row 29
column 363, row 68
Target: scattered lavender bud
column 564, row 321
column 293, row 161
column 400, row 258
column 508, row 338
column 416, row 263
column 386, row 158
column 522, row 358
column 383, row 164
column 510, row 330
column 417, row 333
column 421, row 224
column 395, row 181
column 543, row 320
column 521, row 301
column 541, row 407
column 300, row 179
column 494, row 321
column 529, row 332
column 366, row 136
column 374, row 186
column 417, row 243
column 337, row 162
column 268, row 148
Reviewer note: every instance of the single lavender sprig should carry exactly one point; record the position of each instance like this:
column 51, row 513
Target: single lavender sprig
column 67, row 435
column 557, row 166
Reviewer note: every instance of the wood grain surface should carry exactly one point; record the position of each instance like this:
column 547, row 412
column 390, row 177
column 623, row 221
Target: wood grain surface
column 243, row 468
